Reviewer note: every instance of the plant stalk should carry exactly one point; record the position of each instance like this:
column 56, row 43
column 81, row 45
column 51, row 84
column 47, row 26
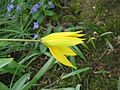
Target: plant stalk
column 19, row 40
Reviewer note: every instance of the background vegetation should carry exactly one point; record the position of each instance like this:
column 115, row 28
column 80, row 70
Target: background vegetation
column 98, row 60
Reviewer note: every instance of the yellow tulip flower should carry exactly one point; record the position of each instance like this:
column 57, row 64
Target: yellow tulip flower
column 59, row 45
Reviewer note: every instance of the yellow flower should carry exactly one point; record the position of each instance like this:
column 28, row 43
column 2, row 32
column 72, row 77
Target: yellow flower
column 59, row 45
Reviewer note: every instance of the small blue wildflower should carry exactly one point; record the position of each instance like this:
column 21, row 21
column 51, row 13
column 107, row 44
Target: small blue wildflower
column 51, row 4
column 36, row 25
column 35, row 7
column 10, row 7
column 19, row 8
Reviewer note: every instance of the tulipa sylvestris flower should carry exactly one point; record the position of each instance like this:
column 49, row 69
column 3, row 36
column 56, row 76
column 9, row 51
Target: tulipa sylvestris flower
column 59, row 45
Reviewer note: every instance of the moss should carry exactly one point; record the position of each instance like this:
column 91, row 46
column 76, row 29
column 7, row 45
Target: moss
column 105, row 13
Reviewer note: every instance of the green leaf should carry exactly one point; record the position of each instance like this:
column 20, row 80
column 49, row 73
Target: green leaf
column 19, row 84
column 47, row 54
column 3, row 44
column 48, row 65
column 36, row 15
column 48, row 31
column 49, row 13
column 106, row 33
column 92, row 41
column 78, row 87
column 73, row 61
column 43, row 48
column 102, row 71
column 77, row 50
column 85, row 45
column 29, row 56
column 76, row 72
column 9, row 30
column 3, row 87
column 5, row 61
column 58, row 29
column 118, row 86
column 69, row 88
column 11, row 68
column 109, row 44
column 39, row 17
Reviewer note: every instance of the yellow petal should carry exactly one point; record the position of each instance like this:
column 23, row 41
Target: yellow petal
column 78, row 35
column 63, row 41
column 64, row 34
column 67, row 51
column 60, row 56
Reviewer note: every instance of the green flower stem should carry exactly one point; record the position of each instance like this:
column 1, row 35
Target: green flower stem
column 19, row 40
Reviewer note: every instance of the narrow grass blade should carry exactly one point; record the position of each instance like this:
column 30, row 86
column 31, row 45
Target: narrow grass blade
column 109, row 44
column 12, row 31
column 77, row 50
column 106, row 33
column 85, row 45
column 43, row 48
column 76, row 72
column 47, row 54
column 3, row 87
column 92, row 41
column 78, row 87
column 102, row 71
column 75, row 28
column 69, row 88
column 48, row 65
column 11, row 68
column 118, row 84
column 29, row 56
column 5, row 61
column 19, row 84
column 73, row 61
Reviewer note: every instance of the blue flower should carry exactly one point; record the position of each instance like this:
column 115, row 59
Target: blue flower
column 51, row 4
column 19, row 8
column 10, row 7
column 36, row 25
column 35, row 7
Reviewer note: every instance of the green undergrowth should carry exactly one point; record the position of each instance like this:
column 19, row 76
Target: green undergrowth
column 98, row 60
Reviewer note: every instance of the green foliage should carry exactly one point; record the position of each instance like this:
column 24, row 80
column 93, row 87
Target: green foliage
column 5, row 61
column 118, row 84
column 3, row 87
column 26, row 65
column 69, row 88
column 19, row 84
column 48, row 65
column 76, row 72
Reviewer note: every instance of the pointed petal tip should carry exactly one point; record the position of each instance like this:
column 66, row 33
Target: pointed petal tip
column 74, row 67
column 73, row 55
column 83, row 39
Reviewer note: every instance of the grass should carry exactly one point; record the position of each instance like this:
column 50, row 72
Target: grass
column 99, row 19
